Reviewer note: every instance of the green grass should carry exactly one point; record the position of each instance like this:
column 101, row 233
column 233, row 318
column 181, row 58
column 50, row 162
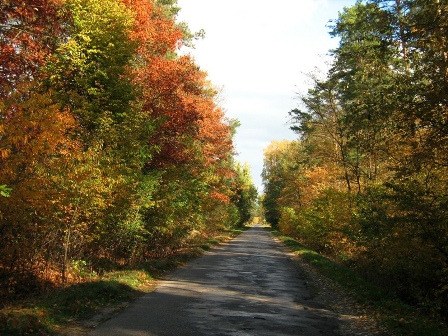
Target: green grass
column 44, row 314
column 399, row 318
column 41, row 315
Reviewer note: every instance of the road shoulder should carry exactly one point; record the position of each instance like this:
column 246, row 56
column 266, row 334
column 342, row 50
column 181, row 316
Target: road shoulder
column 356, row 319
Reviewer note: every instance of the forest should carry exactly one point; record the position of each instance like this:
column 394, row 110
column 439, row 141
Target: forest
column 113, row 146
column 366, row 181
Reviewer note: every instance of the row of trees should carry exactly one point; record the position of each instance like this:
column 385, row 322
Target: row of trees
column 113, row 148
column 367, row 181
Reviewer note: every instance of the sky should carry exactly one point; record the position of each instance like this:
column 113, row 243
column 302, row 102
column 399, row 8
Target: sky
column 259, row 52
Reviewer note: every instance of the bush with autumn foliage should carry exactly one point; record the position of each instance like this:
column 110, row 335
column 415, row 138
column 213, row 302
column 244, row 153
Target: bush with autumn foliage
column 367, row 181
column 113, row 148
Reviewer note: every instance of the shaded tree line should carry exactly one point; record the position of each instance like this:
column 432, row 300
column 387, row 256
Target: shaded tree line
column 366, row 182
column 113, row 147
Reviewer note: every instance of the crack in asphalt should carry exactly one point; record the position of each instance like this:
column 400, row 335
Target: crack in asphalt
column 248, row 286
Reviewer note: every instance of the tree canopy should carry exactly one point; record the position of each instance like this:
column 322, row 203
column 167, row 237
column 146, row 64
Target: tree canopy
column 366, row 181
column 113, row 147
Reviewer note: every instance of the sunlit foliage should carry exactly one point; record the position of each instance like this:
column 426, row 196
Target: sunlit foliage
column 368, row 181
column 113, row 148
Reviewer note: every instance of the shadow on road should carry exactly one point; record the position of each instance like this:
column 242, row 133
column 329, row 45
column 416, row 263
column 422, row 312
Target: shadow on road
column 248, row 286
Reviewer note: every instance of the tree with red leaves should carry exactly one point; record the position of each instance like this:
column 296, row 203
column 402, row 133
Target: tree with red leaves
column 29, row 32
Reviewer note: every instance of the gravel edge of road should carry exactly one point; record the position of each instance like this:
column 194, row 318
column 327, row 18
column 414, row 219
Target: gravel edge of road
column 357, row 320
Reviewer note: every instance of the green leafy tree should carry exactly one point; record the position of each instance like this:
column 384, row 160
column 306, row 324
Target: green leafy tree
column 91, row 71
column 245, row 193
column 273, row 182
column 383, row 110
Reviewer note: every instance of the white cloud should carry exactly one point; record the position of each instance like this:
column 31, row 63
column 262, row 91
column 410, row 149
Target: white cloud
column 258, row 51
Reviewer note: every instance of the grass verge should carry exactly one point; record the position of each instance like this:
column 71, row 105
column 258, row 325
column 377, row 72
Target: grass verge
column 49, row 314
column 398, row 317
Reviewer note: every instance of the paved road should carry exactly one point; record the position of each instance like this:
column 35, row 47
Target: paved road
column 246, row 287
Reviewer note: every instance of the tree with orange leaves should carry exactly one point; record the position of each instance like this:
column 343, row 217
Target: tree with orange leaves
column 29, row 32
column 112, row 146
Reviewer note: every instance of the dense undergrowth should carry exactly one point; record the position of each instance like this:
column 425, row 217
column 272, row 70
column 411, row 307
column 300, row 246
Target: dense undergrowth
column 400, row 318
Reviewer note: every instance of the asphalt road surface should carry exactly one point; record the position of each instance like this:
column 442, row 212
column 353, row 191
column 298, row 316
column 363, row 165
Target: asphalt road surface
column 246, row 287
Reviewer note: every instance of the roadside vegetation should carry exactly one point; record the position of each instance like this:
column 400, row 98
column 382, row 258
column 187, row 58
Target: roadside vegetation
column 366, row 182
column 59, row 309
column 400, row 318
column 115, row 155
